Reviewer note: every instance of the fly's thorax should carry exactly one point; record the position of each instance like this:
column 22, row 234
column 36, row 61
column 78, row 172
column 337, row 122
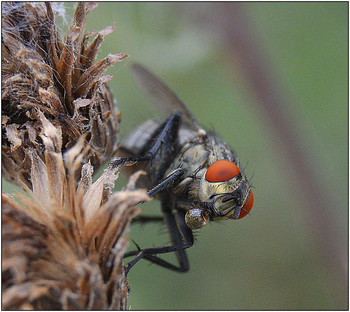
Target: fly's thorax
column 192, row 159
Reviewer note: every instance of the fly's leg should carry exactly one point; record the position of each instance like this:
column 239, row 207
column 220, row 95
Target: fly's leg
column 166, row 133
column 158, row 188
column 181, row 238
column 146, row 219
column 172, row 177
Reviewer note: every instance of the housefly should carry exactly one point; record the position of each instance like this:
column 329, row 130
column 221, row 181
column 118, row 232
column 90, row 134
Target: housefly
column 196, row 175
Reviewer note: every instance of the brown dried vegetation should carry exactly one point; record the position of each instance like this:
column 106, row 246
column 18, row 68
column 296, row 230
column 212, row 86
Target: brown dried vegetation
column 41, row 72
column 64, row 241
column 63, row 245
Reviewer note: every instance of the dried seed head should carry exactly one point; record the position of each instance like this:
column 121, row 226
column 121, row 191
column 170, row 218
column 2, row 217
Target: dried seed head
column 59, row 78
column 64, row 242
column 63, row 245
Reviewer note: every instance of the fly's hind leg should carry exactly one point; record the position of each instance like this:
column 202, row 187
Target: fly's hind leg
column 181, row 238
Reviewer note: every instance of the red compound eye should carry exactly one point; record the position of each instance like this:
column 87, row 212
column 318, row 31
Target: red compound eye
column 221, row 170
column 248, row 206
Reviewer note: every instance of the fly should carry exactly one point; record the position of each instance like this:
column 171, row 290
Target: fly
column 196, row 175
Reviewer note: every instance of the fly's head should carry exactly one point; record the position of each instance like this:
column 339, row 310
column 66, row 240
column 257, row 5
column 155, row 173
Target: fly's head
column 224, row 193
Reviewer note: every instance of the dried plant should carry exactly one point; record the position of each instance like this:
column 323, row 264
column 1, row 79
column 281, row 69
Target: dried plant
column 63, row 244
column 64, row 240
column 41, row 72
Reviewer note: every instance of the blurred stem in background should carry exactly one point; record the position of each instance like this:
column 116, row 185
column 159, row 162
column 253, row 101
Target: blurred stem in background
column 229, row 22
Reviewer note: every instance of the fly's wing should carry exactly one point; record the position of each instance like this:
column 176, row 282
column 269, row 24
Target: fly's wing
column 164, row 99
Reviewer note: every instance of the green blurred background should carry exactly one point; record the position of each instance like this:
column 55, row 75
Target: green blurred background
column 270, row 259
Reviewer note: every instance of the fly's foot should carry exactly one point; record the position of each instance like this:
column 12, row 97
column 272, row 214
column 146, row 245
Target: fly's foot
column 134, row 261
column 127, row 161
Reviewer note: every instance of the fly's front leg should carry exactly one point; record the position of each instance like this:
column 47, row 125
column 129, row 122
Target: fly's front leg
column 166, row 133
column 181, row 238
column 171, row 178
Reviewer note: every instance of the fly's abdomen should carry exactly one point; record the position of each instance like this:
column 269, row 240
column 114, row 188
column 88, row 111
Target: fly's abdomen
column 136, row 140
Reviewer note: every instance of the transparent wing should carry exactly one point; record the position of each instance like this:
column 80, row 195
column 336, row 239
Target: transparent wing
column 164, row 99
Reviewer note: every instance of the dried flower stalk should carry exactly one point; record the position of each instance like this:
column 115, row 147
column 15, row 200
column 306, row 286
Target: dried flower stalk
column 64, row 241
